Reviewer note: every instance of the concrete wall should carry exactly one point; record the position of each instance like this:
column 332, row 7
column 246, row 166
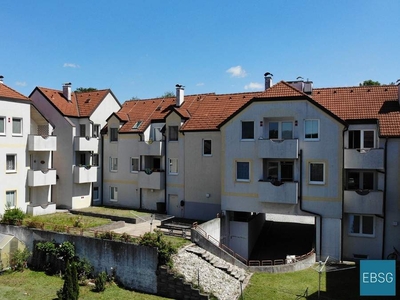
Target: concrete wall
column 136, row 266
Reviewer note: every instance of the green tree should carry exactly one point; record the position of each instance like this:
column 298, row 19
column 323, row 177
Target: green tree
column 369, row 82
column 168, row 95
column 85, row 90
column 135, row 98
column 70, row 289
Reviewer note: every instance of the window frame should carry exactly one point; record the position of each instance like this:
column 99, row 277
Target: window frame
column 96, row 160
column 96, row 130
column 310, row 173
column 311, row 139
column 280, row 131
column 113, row 134
column 171, row 163
column 96, row 188
column 131, row 165
column 362, row 180
column 4, row 125
column 113, row 165
column 237, row 171
column 362, row 139
column 14, row 192
column 243, row 137
column 280, row 164
column 21, row 125
column 14, row 170
column 172, row 133
column 113, row 193
column 361, row 223
column 204, row 147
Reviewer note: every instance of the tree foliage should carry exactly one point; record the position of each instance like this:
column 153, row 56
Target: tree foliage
column 85, row 90
column 369, row 82
column 168, row 95
column 70, row 289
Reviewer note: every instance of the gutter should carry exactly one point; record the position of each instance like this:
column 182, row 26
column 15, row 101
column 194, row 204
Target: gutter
column 343, row 181
column 301, row 202
column 384, row 200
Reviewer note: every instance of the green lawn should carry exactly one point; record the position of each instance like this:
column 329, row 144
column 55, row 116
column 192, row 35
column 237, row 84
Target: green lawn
column 37, row 285
column 127, row 213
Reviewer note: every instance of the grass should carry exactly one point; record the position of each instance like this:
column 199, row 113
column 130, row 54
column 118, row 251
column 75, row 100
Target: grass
column 37, row 285
column 127, row 213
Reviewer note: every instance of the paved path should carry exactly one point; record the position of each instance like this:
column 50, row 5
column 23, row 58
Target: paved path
column 138, row 229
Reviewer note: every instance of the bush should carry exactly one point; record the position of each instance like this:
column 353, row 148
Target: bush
column 19, row 259
column 100, row 282
column 84, row 269
column 108, row 235
column 13, row 216
column 70, row 289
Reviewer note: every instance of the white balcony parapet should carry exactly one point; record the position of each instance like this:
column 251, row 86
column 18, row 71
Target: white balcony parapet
column 152, row 180
column 282, row 192
column 41, row 178
column 42, row 143
column 43, row 209
column 364, row 158
column 86, row 143
column 363, row 202
column 151, row 148
column 278, row 148
column 85, row 174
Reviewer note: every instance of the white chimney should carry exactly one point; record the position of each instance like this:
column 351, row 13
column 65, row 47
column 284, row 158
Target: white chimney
column 268, row 80
column 180, row 97
column 1, row 79
column 67, row 90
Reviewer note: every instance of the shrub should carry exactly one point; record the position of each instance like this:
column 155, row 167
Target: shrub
column 13, row 216
column 108, row 235
column 100, row 282
column 84, row 269
column 19, row 259
column 70, row 289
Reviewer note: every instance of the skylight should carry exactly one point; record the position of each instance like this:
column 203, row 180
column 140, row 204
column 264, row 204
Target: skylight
column 137, row 124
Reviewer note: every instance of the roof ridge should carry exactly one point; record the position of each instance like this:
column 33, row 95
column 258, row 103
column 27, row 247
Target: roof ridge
column 15, row 91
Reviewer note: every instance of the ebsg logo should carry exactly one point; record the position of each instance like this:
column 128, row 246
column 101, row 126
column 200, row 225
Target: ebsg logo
column 378, row 278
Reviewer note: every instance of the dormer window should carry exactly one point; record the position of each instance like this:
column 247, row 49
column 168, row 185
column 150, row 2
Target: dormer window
column 137, row 125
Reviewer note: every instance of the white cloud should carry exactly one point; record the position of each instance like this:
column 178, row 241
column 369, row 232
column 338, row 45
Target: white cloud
column 71, row 65
column 253, row 86
column 21, row 83
column 200, row 84
column 237, row 71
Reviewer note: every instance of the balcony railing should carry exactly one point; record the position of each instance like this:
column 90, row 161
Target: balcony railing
column 364, row 159
column 278, row 192
column 363, row 202
column 85, row 174
column 278, row 148
column 86, row 144
column 152, row 179
column 42, row 143
column 151, row 148
column 41, row 178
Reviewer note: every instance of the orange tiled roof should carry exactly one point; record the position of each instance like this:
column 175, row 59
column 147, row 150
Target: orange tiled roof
column 366, row 102
column 9, row 93
column 81, row 104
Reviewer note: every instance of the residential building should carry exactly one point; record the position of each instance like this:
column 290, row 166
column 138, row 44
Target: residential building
column 78, row 119
column 27, row 143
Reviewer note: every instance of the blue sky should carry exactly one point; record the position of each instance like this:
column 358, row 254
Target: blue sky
column 142, row 48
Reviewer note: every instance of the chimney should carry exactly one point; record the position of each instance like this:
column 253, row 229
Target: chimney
column 180, row 98
column 268, row 80
column 398, row 89
column 1, row 79
column 67, row 91
column 308, row 87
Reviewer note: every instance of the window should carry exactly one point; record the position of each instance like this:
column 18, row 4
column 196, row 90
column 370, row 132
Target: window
column 82, row 130
column 361, row 139
column 280, row 130
column 316, row 173
column 207, row 147
column 113, row 134
column 280, row 170
column 113, row 193
column 2, row 125
column 113, row 164
column 173, row 166
column 11, row 198
column 95, row 193
column 136, row 125
column 311, row 130
column 95, row 160
column 173, row 133
column 96, row 130
column 242, row 171
column 11, row 163
column 247, row 130
column 17, row 126
column 362, row 225
column 360, row 180
column 134, row 164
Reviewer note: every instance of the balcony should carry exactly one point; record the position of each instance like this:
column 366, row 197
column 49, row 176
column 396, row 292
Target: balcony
column 363, row 202
column 152, row 180
column 42, row 143
column 364, row 159
column 283, row 193
column 41, row 178
column 86, row 144
column 85, row 174
column 278, row 148
column 155, row 148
